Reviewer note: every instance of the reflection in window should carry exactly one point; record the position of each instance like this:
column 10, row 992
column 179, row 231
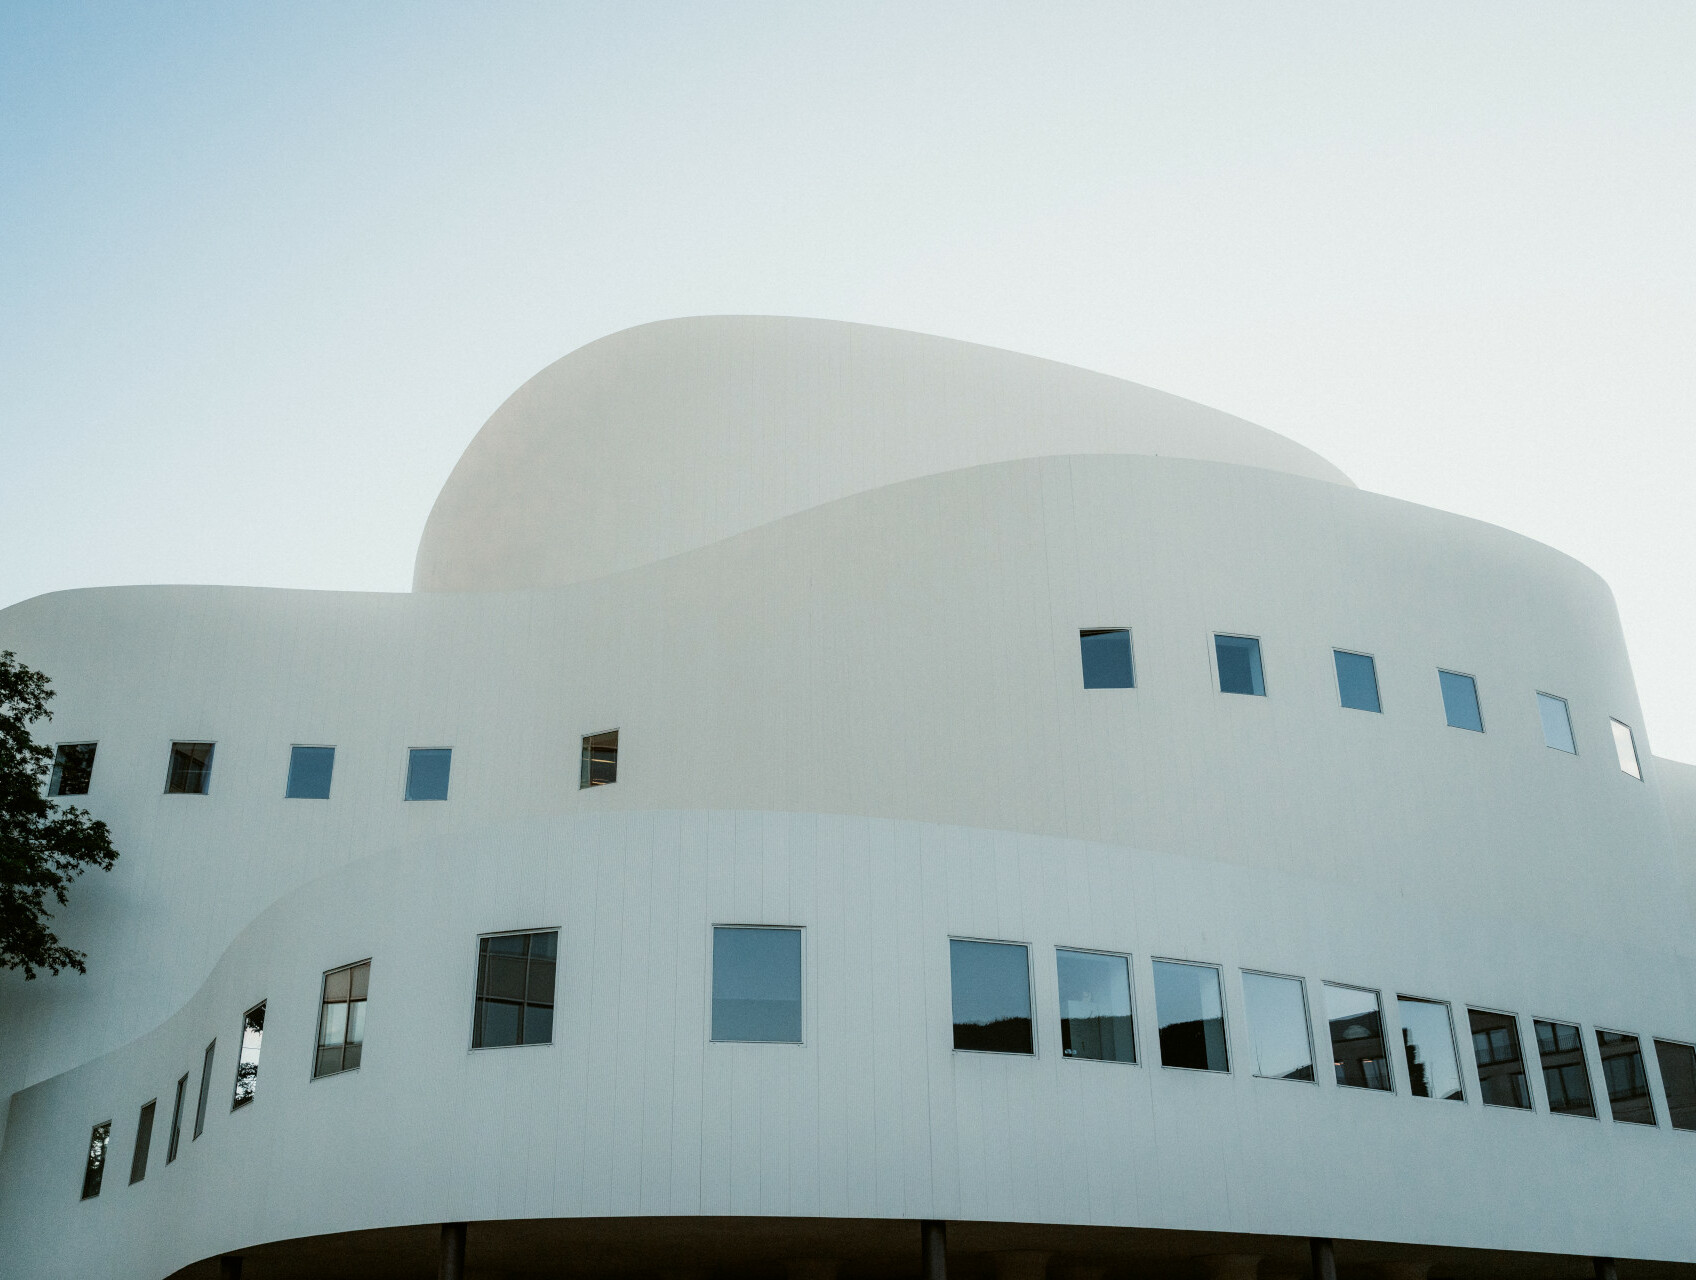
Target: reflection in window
column 341, row 1019
column 1501, row 1070
column 205, row 1089
column 600, row 760
column 1357, row 1037
column 1239, row 665
column 1557, row 724
column 757, row 984
column 1678, row 1078
column 1357, row 680
column 309, row 773
column 515, row 989
column 1566, row 1079
column 427, row 770
column 190, row 773
column 1460, row 701
column 73, row 769
column 95, row 1170
column 247, row 1066
column 1191, row 1013
column 1625, row 745
column 143, row 1142
column 1277, row 1026
column 1107, row 658
column 1428, row 1046
column 1095, row 1006
column 1626, row 1078
column 177, row 1119
column 992, row 996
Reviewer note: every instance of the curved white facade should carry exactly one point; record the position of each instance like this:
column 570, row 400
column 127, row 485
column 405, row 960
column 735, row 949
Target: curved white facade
column 828, row 583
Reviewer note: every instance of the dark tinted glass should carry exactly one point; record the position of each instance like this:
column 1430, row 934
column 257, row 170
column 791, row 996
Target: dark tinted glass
column 1357, row 680
column 177, row 1119
column 191, row 769
column 757, row 985
column 1107, row 659
column 1501, row 1070
column 73, row 767
column 1626, row 1077
column 1460, row 701
column 600, row 760
column 1678, row 1078
column 247, row 1066
column 1095, row 1006
column 1191, row 1013
column 1566, row 1078
column 143, row 1142
column 205, row 1087
column 992, row 996
column 1277, row 1026
column 95, row 1169
column 309, row 773
column 1428, row 1048
column 427, row 773
column 1357, row 1037
column 1239, row 665
column 515, row 990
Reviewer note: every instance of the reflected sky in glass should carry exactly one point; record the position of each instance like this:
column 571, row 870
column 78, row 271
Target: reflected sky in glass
column 1557, row 724
column 1107, row 659
column 309, row 773
column 757, row 984
column 1357, row 680
column 1239, row 665
column 992, row 996
column 1277, row 1026
column 1460, row 701
column 427, row 773
column 1428, row 1048
column 1191, row 1013
column 1095, row 1006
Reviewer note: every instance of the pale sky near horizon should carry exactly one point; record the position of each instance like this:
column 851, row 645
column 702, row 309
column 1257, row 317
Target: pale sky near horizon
column 265, row 269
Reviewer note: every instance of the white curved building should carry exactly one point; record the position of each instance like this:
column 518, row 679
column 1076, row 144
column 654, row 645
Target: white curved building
column 1038, row 804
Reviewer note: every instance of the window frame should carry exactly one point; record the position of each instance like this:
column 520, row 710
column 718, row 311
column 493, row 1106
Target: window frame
column 1653, row 1123
column 1224, row 1015
column 100, row 1131
column 1130, row 988
column 55, row 775
column 1530, row 1107
column 206, row 1064
column 318, row 1022
column 471, row 1037
column 1384, row 1038
column 1591, row 1076
column 1213, row 662
column 237, row 1102
column 1631, row 741
column 1477, row 705
column 406, row 782
column 1454, row 1045
column 1130, row 653
column 1660, row 1070
column 1030, row 990
column 806, row 970
column 1337, row 680
column 1572, row 737
column 141, row 1150
column 288, row 775
column 1306, row 1013
column 211, row 757
column 172, row 1148
column 583, row 766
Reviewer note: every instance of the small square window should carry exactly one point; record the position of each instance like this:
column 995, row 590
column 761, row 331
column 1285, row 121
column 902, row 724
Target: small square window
column 1626, row 1077
column 991, row 986
column 1095, row 1006
column 1357, row 680
column 73, row 769
column 757, row 984
column 1107, row 658
column 600, row 760
column 1277, row 1026
column 1625, row 744
column 1566, row 1078
column 341, row 1020
column 190, row 773
column 1460, row 701
column 309, row 773
column 1239, row 665
column 515, row 989
column 1501, row 1069
column 1557, row 724
column 1191, row 1012
column 247, row 1065
column 1357, row 1037
column 427, row 771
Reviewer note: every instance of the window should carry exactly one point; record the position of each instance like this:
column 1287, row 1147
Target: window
column 1566, row 1078
column 341, row 1020
column 1501, row 1070
column 96, row 1167
column 1357, row 680
column 1557, row 724
column 992, row 996
column 427, row 773
column 1095, row 1006
column 1460, row 701
column 1106, row 655
column 600, row 760
column 1626, row 1077
column 1626, row 746
column 205, row 1086
column 177, row 1119
column 1678, row 1078
column 1357, row 1037
column 515, row 989
column 1191, row 1013
column 143, row 1141
column 247, row 1064
column 1277, row 1026
column 1428, row 1044
column 190, row 773
column 309, row 773
column 73, row 767
column 1239, row 665
column 757, row 984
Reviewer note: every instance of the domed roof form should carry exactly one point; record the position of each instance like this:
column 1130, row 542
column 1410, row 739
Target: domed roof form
column 674, row 435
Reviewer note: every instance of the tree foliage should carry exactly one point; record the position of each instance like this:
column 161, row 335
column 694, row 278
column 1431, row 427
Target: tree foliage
column 43, row 845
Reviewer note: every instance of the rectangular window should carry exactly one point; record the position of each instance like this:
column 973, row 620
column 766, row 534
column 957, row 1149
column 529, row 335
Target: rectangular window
column 1557, row 724
column 1678, row 1078
column 600, row 760
column 73, row 769
column 143, row 1141
column 95, row 1170
column 1357, row 680
column 177, row 1119
column 1428, row 1044
column 1277, row 1026
column 427, row 773
column 992, row 996
column 756, row 984
column 1239, row 665
column 515, row 989
column 247, row 1065
column 1566, row 1078
column 1191, row 1013
column 341, row 1019
column 1357, row 1037
column 309, row 773
column 1501, row 1069
column 190, row 773
column 1625, row 745
column 1626, row 1077
column 205, row 1088
column 1095, row 1006
column 1460, row 701
column 1106, row 654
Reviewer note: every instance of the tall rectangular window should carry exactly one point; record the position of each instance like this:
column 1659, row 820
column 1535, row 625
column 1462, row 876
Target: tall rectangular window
column 515, row 989
column 309, row 773
column 1357, row 680
column 1501, row 1068
column 1566, row 1078
column 247, row 1065
column 73, row 769
column 757, row 984
column 190, row 772
column 600, row 760
column 1428, row 1045
column 205, row 1090
column 1191, row 1013
column 1357, row 1037
column 1678, row 1078
column 95, row 1169
column 143, row 1141
column 992, row 996
column 1095, row 1006
column 177, row 1119
column 1460, row 701
column 427, row 771
column 1238, row 658
column 1277, row 1026
column 1625, row 746
column 1626, row 1076
column 341, row 1019
column 1557, row 724
column 1106, row 653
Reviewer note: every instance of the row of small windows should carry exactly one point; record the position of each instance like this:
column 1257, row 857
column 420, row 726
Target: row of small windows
column 1107, row 664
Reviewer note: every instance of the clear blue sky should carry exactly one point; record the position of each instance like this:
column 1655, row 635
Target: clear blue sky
column 264, row 269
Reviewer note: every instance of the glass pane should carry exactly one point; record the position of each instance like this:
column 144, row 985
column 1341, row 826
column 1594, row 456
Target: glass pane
column 1191, row 1013
column 350, row 1055
column 538, row 1024
column 177, row 1120
column 540, row 989
column 427, row 773
column 1357, row 680
column 1557, row 725
column 1501, row 1070
column 1627, row 1078
column 191, row 769
column 143, row 1143
column 506, row 977
column 991, row 987
column 1428, row 1044
column 247, row 1066
column 337, row 984
column 1095, row 1006
column 332, row 1028
column 1357, row 1037
column 356, row 1022
column 600, row 760
column 1460, row 701
column 1566, row 1078
column 1277, row 1027
column 1239, row 665
column 544, row 944
column 361, row 980
column 95, row 1170
column 73, row 767
column 757, row 985
column 329, row 1061
column 205, row 1088
column 1626, row 745
column 1107, row 659
column 309, row 773
column 1678, row 1078
column 500, row 1023
column 506, row 944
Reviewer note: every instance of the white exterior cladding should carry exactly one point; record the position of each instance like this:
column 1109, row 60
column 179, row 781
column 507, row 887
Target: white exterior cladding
column 827, row 582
